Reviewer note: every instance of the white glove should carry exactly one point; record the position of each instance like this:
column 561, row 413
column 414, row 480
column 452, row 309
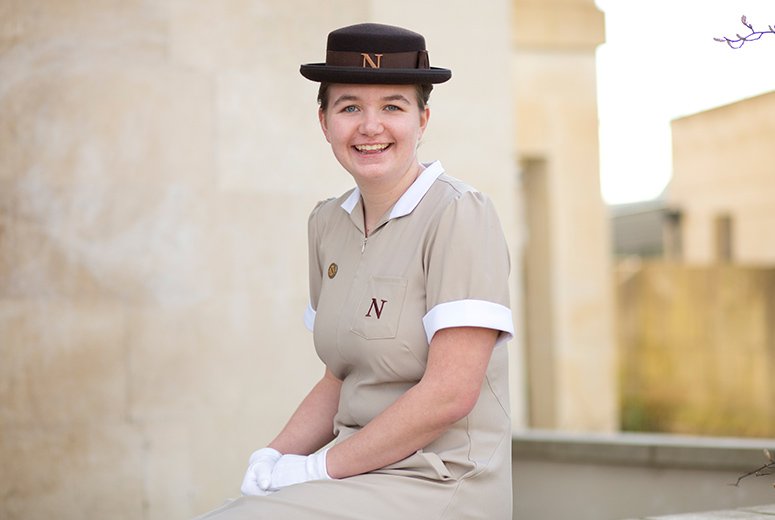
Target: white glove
column 259, row 473
column 294, row 469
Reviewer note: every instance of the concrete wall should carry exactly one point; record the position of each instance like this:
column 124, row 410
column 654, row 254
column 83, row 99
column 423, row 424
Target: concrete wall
column 722, row 166
column 697, row 348
column 158, row 160
column 627, row 476
column 570, row 347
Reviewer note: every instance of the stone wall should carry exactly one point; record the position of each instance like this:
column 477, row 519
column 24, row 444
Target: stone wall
column 158, row 160
column 570, row 349
column 697, row 348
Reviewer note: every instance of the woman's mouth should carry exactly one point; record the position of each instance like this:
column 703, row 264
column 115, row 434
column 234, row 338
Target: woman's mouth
column 369, row 149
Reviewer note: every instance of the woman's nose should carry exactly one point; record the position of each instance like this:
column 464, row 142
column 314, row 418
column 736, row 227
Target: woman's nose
column 371, row 124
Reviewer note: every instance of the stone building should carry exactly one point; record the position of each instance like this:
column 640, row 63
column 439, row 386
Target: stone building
column 638, row 228
column 569, row 339
column 724, row 183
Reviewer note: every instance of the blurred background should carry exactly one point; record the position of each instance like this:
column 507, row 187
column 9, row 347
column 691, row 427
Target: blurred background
column 159, row 159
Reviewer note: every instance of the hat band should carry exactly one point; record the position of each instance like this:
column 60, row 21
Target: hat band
column 378, row 60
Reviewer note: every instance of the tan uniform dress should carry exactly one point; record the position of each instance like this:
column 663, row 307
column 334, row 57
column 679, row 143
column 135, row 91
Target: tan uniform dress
column 438, row 260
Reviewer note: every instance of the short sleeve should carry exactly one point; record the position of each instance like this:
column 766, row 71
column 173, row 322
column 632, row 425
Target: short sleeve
column 315, row 269
column 467, row 268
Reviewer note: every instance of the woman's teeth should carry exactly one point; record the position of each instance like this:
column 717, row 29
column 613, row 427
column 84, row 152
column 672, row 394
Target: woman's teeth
column 371, row 147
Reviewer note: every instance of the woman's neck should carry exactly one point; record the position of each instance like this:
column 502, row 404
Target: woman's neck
column 378, row 199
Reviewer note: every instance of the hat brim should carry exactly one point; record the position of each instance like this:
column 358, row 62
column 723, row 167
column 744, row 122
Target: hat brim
column 332, row 74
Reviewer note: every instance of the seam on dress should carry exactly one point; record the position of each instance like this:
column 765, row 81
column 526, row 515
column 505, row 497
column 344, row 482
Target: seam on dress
column 451, row 499
column 476, row 470
column 460, row 480
column 497, row 397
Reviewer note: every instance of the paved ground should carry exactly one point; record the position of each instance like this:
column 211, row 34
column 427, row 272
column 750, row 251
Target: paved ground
column 745, row 513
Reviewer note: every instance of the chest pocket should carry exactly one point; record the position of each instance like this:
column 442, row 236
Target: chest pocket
column 379, row 310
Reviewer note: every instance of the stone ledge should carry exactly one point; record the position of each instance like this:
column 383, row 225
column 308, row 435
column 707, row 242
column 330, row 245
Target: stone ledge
column 745, row 513
column 642, row 449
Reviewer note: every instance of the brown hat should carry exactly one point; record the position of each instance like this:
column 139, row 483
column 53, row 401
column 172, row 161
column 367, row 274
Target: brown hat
column 376, row 54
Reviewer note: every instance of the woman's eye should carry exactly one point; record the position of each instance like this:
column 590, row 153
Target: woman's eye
column 350, row 108
column 392, row 108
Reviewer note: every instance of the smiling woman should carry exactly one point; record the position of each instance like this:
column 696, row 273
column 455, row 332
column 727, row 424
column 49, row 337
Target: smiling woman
column 374, row 131
column 410, row 418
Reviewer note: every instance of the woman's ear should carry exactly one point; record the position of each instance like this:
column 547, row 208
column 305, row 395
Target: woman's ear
column 425, row 115
column 323, row 124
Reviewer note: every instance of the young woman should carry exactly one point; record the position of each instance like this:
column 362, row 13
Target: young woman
column 409, row 308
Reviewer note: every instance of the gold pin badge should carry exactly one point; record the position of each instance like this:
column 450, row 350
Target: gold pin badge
column 332, row 270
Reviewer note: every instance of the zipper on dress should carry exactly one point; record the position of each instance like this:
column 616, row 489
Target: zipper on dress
column 363, row 247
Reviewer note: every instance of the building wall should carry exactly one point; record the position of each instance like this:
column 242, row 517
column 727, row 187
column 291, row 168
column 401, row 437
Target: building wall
column 697, row 347
column 722, row 167
column 570, row 346
column 158, row 161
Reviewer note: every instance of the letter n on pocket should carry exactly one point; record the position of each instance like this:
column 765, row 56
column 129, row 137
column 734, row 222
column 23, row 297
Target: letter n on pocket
column 379, row 310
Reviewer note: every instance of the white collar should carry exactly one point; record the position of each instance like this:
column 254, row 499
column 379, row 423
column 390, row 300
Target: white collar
column 411, row 197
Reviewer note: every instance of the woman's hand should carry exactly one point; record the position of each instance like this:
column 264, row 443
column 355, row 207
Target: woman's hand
column 258, row 477
column 310, row 428
column 295, row 469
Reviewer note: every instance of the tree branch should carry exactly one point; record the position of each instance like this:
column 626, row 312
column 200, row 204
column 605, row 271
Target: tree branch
column 740, row 40
column 767, row 469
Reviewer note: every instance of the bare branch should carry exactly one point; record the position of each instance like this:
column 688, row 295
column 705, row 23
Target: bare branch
column 740, row 40
column 767, row 469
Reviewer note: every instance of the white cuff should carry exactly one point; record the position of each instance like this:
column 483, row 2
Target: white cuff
column 309, row 318
column 470, row 313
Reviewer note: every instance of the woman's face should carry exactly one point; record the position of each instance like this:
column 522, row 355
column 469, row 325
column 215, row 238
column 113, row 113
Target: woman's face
column 374, row 130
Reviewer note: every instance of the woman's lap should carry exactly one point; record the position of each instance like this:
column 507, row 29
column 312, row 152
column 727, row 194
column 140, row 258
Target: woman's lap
column 370, row 496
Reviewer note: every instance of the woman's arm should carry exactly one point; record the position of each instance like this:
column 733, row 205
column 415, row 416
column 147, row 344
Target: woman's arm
column 312, row 424
column 457, row 363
